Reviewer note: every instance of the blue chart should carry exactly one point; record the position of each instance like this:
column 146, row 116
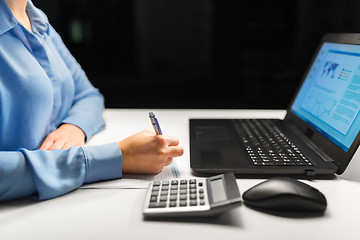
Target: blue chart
column 319, row 105
column 329, row 69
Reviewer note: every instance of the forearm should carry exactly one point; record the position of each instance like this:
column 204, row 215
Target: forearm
column 15, row 176
column 48, row 174
column 87, row 114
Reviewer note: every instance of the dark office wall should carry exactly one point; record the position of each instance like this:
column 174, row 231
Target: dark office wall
column 197, row 54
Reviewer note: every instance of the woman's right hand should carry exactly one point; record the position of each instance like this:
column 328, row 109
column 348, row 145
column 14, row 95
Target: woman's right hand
column 147, row 153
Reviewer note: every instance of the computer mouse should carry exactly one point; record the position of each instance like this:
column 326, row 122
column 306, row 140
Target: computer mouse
column 285, row 194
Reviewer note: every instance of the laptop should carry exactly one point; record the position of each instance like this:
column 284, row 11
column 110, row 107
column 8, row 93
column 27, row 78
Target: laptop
column 318, row 136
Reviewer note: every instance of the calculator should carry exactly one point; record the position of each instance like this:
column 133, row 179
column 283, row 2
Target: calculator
column 192, row 197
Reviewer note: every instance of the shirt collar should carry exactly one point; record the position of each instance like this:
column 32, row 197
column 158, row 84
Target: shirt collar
column 7, row 19
column 39, row 21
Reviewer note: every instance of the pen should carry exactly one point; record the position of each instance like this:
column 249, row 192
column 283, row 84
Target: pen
column 155, row 123
column 157, row 129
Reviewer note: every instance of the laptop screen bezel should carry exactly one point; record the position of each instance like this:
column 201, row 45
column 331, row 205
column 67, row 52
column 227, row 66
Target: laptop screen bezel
column 339, row 157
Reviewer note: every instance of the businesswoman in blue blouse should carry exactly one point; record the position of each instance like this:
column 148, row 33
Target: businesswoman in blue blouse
column 48, row 108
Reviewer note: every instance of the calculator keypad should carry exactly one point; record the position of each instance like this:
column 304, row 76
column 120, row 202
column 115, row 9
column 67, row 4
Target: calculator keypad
column 191, row 197
column 181, row 194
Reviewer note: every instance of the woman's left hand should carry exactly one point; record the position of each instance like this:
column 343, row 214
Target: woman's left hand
column 65, row 137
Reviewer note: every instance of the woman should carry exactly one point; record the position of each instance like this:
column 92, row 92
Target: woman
column 48, row 108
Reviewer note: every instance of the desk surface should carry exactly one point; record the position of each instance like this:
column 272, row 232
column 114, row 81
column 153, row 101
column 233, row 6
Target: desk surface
column 117, row 213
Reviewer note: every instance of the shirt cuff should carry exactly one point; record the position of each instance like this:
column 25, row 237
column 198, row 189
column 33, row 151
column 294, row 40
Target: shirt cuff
column 103, row 162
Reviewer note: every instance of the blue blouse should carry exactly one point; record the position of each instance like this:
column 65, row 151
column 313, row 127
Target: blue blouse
column 41, row 87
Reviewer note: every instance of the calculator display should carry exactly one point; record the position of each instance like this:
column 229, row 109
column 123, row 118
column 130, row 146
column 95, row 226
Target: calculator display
column 218, row 191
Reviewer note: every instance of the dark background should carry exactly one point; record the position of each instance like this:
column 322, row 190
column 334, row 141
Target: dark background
column 197, row 53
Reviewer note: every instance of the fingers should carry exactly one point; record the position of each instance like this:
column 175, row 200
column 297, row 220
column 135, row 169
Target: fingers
column 172, row 153
column 65, row 137
column 175, row 151
column 172, row 146
column 172, row 141
column 168, row 162
column 48, row 142
column 66, row 146
column 58, row 145
column 50, row 145
column 51, row 142
column 44, row 146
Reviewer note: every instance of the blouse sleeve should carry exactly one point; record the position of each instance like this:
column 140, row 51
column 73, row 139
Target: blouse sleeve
column 48, row 174
column 88, row 105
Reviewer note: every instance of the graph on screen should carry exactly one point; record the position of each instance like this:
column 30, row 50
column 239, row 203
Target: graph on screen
column 334, row 96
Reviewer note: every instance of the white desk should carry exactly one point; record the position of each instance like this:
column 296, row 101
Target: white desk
column 117, row 213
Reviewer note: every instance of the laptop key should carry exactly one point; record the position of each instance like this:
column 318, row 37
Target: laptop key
column 285, row 164
column 266, row 145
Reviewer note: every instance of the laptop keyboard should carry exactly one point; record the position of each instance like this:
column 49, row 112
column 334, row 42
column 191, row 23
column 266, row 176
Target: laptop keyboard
column 266, row 145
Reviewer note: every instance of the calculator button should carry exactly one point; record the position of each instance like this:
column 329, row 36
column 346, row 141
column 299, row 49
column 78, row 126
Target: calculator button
column 172, row 204
column 154, row 193
column 183, row 182
column 202, row 202
column 201, row 190
column 173, row 198
column 183, row 203
column 174, row 187
column 163, row 198
column 200, row 184
column 156, row 183
column 153, row 199
column 173, row 192
column 192, row 181
column 165, row 183
column 183, row 197
column 193, row 203
column 164, row 193
column 192, row 196
column 153, row 205
column 183, row 186
column 156, row 188
column 183, row 191
column 192, row 186
column 192, row 190
column 165, row 188
column 201, row 196
column 174, row 182
column 157, row 205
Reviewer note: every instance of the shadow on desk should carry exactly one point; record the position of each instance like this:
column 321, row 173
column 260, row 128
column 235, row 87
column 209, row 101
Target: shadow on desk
column 289, row 214
column 352, row 172
column 229, row 218
column 17, row 204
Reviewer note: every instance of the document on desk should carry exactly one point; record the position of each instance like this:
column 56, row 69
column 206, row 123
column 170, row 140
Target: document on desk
column 180, row 168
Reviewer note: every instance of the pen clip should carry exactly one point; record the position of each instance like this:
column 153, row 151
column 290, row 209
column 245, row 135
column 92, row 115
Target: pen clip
column 155, row 123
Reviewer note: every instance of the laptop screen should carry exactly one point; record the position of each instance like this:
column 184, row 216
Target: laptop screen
column 329, row 99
